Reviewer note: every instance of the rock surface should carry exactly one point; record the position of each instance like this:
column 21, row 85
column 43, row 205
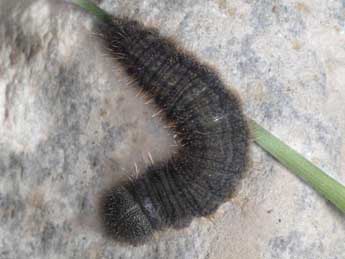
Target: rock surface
column 70, row 125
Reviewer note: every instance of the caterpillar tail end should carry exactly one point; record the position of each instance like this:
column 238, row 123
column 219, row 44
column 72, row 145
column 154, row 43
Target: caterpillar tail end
column 122, row 218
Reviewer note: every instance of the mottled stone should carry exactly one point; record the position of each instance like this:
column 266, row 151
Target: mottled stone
column 70, row 125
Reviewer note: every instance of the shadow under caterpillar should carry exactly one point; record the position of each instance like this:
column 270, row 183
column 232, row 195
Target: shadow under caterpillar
column 208, row 122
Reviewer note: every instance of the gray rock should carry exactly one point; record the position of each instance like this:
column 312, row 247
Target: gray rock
column 70, row 125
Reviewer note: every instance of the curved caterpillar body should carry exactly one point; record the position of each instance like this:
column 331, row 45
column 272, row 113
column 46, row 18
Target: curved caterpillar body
column 209, row 124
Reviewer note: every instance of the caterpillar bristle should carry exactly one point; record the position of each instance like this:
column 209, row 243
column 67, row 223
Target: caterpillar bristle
column 157, row 113
column 150, row 157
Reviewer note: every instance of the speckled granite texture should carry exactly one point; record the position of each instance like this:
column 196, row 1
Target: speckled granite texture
column 70, row 125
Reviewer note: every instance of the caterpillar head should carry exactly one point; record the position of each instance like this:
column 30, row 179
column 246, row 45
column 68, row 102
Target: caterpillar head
column 123, row 219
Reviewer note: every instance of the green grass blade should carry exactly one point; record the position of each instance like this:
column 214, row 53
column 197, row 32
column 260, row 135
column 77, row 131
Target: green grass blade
column 296, row 163
column 93, row 9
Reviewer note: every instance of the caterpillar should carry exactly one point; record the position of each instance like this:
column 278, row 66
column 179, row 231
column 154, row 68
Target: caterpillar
column 207, row 120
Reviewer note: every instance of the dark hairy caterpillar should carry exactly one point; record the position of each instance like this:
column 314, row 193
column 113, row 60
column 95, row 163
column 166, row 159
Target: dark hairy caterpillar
column 207, row 120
